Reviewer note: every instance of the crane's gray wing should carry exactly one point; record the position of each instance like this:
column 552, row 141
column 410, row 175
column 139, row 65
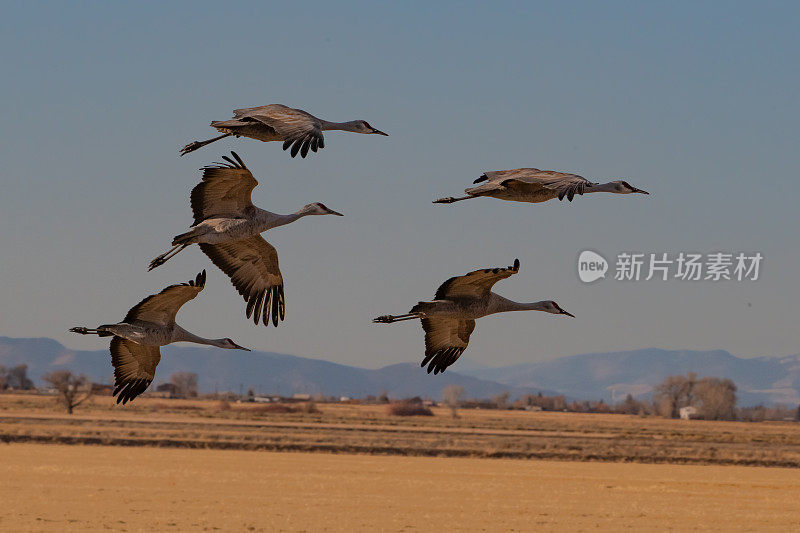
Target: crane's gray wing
column 299, row 129
column 528, row 180
column 252, row 265
column 445, row 340
column 134, row 368
column 161, row 308
column 225, row 190
column 476, row 284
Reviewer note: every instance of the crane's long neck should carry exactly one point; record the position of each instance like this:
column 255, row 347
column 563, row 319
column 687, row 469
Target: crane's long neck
column 181, row 335
column 350, row 125
column 602, row 187
column 269, row 220
column 498, row 304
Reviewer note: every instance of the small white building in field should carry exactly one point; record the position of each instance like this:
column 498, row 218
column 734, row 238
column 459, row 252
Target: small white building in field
column 688, row 412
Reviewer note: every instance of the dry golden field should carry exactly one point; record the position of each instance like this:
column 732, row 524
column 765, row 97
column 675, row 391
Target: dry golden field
column 206, row 465
column 63, row 488
column 342, row 428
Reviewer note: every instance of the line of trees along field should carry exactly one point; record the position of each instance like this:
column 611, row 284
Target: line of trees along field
column 711, row 398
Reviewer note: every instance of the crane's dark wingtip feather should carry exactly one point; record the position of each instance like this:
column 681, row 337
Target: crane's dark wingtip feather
column 267, row 306
column 239, row 159
column 275, row 306
column 296, row 146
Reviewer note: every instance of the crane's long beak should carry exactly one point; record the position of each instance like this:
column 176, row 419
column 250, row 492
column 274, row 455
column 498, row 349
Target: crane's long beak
column 379, row 132
column 565, row 313
column 241, row 347
column 332, row 212
column 640, row 191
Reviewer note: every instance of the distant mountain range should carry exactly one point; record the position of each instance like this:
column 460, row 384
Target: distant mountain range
column 265, row 372
column 609, row 376
column 612, row 375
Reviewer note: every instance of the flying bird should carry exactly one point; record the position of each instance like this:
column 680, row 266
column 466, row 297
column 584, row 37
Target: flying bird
column 227, row 226
column 534, row 185
column 449, row 319
column 275, row 122
column 150, row 324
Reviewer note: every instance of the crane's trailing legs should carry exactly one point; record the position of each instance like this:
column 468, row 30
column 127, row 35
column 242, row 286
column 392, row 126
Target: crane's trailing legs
column 388, row 319
column 161, row 259
column 89, row 331
column 450, row 199
column 192, row 146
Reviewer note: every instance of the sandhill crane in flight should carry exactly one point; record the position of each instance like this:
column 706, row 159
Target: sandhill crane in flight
column 449, row 319
column 227, row 226
column 150, row 324
column 534, row 185
column 275, row 122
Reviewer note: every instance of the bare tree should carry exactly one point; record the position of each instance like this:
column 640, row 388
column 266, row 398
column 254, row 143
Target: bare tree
column 628, row 406
column 185, row 384
column 72, row 390
column 453, row 396
column 716, row 399
column 17, row 378
column 500, row 401
column 559, row 403
column 673, row 393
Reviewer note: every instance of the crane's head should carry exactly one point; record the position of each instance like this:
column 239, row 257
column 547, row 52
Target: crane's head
column 230, row 345
column 318, row 208
column 362, row 126
column 623, row 187
column 551, row 307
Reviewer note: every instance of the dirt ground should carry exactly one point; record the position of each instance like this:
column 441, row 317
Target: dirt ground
column 59, row 487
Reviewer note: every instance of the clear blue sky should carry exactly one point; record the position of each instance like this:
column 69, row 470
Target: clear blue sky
column 697, row 102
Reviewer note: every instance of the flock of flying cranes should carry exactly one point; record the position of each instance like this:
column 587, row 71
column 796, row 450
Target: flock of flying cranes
column 227, row 227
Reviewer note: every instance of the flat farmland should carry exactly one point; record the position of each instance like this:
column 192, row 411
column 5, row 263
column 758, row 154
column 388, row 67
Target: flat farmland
column 367, row 429
column 70, row 488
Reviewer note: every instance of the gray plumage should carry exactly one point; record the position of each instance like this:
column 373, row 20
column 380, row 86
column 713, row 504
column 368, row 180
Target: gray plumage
column 150, row 324
column 534, row 185
column 227, row 227
column 297, row 129
column 449, row 320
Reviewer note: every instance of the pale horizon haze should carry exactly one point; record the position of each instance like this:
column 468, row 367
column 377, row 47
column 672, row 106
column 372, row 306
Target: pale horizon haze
column 697, row 103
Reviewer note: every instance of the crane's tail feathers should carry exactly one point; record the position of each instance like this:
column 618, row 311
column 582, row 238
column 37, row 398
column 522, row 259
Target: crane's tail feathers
column 195, row 145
